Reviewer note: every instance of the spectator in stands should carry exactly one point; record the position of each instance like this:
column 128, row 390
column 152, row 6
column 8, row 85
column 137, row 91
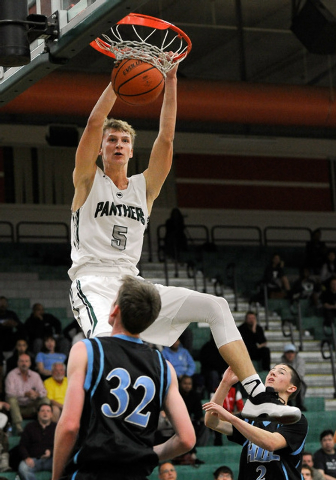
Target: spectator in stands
column 165, row 429
column 11, row 328
column 291, row 357
column 234, row 400
column 275, row 279
column 56, row 386
column 47, row 357
column 24, row 392
column 233, row 403
column 40, row 325
column 2, row 359
column 212, row 365
column 325, row 457
column 175, row 241
column 180, row 358
column 328, row 301
column 194, row 407
column 307, row 459
column 73, row 332
column 306, row 472
column 223, row 473
column 167, row 471
column 187, row 339
column 36, row 444
column 21, row 346
column 306, row 287
column 328, row 269
column 4, row 445
column 315, row 252
column 255, row 340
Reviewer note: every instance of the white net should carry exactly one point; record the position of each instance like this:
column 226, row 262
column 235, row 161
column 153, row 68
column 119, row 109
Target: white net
column 164, row 55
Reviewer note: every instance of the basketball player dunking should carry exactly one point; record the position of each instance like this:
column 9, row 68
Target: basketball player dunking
column 110, row 214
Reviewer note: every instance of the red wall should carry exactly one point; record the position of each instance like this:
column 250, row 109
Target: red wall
column 255, row 183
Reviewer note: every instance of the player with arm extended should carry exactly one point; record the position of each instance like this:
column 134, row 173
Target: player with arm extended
column 119, row 385
column 110, row 212
column 270, row 450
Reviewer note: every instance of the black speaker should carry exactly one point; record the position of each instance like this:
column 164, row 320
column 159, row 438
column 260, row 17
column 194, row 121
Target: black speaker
column 315, row 27
column 14, row 44
column 62, row 136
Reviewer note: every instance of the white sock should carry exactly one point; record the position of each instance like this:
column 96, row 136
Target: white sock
column 253, row 385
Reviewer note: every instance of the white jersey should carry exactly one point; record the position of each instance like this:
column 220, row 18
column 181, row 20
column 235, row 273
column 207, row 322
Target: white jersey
column 107, row 231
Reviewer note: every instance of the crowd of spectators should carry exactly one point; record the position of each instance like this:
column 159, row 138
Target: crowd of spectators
column 33, row 357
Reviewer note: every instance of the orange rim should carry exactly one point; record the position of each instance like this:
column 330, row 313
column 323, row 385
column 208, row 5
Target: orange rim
column 147, row 21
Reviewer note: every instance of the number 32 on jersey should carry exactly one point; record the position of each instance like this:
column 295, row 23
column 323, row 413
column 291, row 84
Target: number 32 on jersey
column 122, row 392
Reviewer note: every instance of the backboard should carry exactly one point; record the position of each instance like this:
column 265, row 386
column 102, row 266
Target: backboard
column 80, row 22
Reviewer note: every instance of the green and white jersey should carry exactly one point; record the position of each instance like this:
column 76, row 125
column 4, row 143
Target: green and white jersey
column 107, row 231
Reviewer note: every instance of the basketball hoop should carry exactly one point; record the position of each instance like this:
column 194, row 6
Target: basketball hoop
column 169, row 44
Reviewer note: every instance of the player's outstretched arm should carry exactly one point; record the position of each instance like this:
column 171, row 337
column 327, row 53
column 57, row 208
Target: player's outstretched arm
column 212, row 419
column 177, row 413
column 160, row 160
column 69, row 422
column 270, row 441
column 89, row 147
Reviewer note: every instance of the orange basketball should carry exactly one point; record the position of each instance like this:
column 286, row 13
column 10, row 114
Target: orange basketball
column 136, row 82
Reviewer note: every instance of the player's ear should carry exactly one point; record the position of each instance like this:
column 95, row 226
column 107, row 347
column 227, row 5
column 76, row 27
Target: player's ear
column 113, row 313
column 131, row 153
column 291, row 389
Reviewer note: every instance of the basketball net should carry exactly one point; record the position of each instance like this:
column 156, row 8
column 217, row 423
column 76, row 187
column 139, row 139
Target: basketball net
column 172, row 48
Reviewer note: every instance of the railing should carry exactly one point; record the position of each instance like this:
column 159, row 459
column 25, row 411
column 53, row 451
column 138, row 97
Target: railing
column 285, row 239
column 219, row 287
column 10, row 227
column 220, row 239
column 200, row 236
column 39, row 236
column 329, row 241
column 328, row 344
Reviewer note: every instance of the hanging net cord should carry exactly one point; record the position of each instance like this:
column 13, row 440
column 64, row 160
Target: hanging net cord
column 160, row 57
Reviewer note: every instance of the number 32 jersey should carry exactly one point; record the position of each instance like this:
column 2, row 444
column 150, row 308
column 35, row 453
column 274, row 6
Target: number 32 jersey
column 107, row 231
column 125, row 385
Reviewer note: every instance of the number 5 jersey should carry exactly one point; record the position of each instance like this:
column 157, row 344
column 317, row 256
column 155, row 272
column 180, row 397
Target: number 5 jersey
column 107, row 231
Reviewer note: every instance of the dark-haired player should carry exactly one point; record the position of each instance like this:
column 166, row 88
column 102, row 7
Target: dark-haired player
column 270, row 450
column 117, row 387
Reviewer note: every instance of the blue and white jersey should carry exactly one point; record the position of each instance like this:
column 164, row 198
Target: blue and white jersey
column 126, row 384
column 257, row 463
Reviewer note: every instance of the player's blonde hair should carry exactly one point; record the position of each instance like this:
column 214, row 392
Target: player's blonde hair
column 120, row 126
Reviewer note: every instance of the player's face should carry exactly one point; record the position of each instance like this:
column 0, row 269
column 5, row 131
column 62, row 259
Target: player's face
column 116, row 147
column 280, row 378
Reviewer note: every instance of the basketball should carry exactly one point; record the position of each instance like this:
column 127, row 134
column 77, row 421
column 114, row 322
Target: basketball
column 136, row 82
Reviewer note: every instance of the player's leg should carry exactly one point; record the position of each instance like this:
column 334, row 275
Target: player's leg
column 180, row 307
column 91, row 298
